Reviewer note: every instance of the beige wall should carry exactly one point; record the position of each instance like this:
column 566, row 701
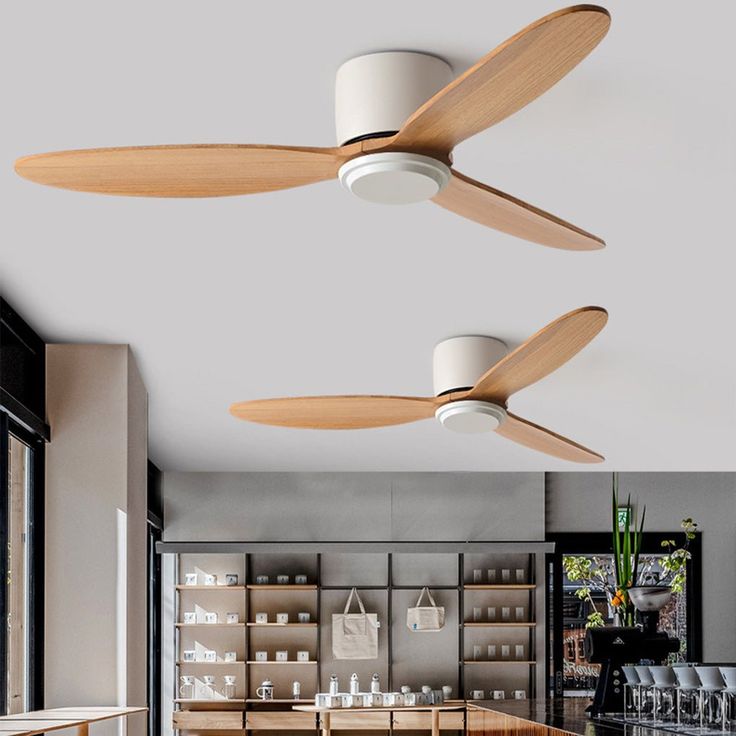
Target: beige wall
column 95, row 529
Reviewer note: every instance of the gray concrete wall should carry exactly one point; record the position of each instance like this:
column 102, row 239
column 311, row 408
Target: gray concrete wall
column 353, row 506
column 580, row 502
column 95, row 585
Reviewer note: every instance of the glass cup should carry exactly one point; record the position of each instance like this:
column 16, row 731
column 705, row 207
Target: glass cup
column 186, row 687
column 711, row 696
column 631, row 694
column 646, row 694
column 664, row 706
column 687, row 697
column 229, row 688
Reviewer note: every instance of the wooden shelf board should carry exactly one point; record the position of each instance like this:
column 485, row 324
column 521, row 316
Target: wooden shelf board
column 276, row 586
column 290, row 661
column 501, row 624
column 499, row 661
column 210, row 587
column 520, row 586
column 279, row 700
column 282, row 626
column 208, row 626
column 216, row 664
column 210, row 701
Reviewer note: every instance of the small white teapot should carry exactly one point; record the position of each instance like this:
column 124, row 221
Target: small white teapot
column 265, row 691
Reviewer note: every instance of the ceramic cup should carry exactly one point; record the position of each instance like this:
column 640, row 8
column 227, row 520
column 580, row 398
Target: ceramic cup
column 231, row 656
column 303, row 617
column 232, row 618
column 477, row 695
column 261, row 656
column 300, row 579
column 210, row 579
column 231, row 578
column 190, row 578
column 282, row 618
column 302, row 656
column 282, row 579
column 261, row 579
column 210, row 617
column 282, row 656
column 189, row 655
column 261, row 617
column 190, row 617
column 210, row 655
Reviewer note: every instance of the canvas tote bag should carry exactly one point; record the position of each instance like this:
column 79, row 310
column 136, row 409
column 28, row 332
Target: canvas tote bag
column 425, row 618
column 354, row 635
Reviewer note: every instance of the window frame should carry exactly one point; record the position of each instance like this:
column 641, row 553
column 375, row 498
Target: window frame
column 35, row 554
column 597, row 543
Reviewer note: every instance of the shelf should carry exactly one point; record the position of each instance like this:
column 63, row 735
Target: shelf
column 280, row 700
column 210, row 664
column 525, row 586
column 208, row 626
column 281, row 626
column 209, row 701
column 502, row 624
column 290, row 661
column 210, row 587
column 499, row 661
column 276, row 586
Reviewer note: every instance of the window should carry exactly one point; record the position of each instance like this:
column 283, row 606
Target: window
column 19, row 645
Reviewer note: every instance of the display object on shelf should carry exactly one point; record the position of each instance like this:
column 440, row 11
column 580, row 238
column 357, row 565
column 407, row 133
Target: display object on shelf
column 302, row 656
column 300, row 579
column 210, row 655
column 186, row 687
column 282, row 618
column 210, row 579
column 262, row 579
column 190, row 617
column 261, row 656
column 231, row 579
column 282, row 579
column 498, row 695
column 261, row 617
column 282, row 656
column 477, row 694
column 211, row 617
column 189, row 655
column 231, row 657
column 519, row 694
column 265, row 691
column 232, row 618
column 229, row 687
column 190, row 578
column 303, row 617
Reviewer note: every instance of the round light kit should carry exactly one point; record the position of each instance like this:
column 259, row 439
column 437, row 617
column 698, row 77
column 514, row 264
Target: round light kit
column 471, row 417
column 394, row 178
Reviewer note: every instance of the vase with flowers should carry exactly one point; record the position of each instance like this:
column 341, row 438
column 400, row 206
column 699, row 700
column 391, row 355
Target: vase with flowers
column 627, row 568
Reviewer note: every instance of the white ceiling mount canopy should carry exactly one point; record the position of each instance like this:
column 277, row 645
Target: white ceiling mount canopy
column 471, row 417
column 394, row 178
column 377, row 93
column 458, row 362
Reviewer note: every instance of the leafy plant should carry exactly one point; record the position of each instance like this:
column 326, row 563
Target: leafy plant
column 627, row 568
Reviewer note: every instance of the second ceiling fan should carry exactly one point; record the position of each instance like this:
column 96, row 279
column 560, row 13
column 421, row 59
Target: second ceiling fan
column 399, row 116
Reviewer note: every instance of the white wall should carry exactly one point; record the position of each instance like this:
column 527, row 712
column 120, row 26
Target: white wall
column 580, row 502
column 95, row 635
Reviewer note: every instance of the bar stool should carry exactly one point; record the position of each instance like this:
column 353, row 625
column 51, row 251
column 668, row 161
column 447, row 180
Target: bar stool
column 728, row 704
column 664, row 694
column 688, row 696
column 631, row 693
column 646, row 692
column 710, row 697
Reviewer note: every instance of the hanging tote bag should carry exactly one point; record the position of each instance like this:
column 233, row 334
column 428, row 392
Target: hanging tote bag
column 354, row 635
column 425, row 618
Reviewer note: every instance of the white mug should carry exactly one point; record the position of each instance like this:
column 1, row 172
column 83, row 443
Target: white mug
column 231, row 656
column 491, row 651
column 477, row 695
column 282, row 579
column 520, row 613
column 210, row 655
column 302, row 656
column 410, row 698
column 210, row 579
column 261, row 656
column 282, row 618
column 477, row 576
column 190, row 617
column 230, row 679
column 265, row 691
column 499, row 695
column 232, row 618
column 520, row 579
column 505, row 613
column 282, row 656
column 477, row 651
column 491, row 612
column 261, row 617
column 231, row 578
column 189, row 655
column 190, row 578
column 505, row 651
column 303, row 617
column 519, row 694
column 210, row 617
column 491, row 575
column 261, row 579
column 519, row 651
column 505, row 578
column 300, row 579
column 447, row 691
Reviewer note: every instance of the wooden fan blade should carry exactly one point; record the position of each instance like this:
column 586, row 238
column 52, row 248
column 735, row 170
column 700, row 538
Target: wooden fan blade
column 492, row 208
column 543, row 440
column 506, row 79
column 182, row 171
column 337, row 412
column 540, row 355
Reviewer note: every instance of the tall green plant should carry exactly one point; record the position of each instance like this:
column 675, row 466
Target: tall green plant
column 626, row 551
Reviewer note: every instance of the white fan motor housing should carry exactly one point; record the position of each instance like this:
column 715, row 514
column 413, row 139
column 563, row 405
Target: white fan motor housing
column 471, row 417
column 459, row 362
column 377, row 93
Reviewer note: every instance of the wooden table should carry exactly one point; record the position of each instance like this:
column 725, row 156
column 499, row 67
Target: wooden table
column 326, row 712
column 55, row 719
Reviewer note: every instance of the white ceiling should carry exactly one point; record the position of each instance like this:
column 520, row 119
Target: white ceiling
column 310, row 291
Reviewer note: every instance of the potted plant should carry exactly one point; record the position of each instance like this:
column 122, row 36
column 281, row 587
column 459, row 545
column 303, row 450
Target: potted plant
column 627, row 571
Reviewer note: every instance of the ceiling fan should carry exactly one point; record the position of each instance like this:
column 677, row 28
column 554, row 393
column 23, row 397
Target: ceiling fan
column 469, row 395
column 399, row 115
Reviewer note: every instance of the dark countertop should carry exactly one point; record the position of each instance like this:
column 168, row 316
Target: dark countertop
column 566, row 714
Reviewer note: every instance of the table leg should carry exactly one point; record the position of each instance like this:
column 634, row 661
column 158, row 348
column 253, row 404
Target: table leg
column 325, row 720
column 435, row 722
column 83, row 729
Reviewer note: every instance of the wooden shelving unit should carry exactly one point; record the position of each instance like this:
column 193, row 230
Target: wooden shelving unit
column 388, row 591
